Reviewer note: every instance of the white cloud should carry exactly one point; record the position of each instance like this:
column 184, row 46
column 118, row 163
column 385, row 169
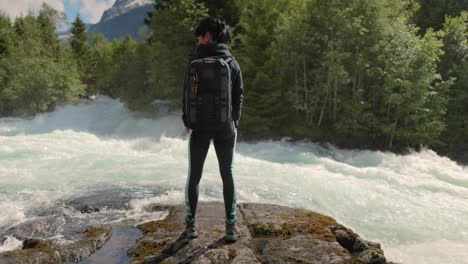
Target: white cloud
column 94, row 8
column 91, row 9
column 74, row 2
column 14, row 8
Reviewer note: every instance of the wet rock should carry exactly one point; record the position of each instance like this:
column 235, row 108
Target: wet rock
column 363, row 250
column 42, row 227
column 89, row 208
column 43, row 251
column 345, row 239
column 34, row 251
column 113, row 199
column 35, row 243
column 372, row 256
column 92, row 239
column 115, row 249
column 270, row 234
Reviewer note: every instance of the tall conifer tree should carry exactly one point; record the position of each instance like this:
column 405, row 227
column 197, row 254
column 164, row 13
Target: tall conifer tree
column 79, row 38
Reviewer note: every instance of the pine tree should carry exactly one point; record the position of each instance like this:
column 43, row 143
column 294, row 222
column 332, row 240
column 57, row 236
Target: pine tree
column 454, row 64
column 173, row 23
column 5, row 34
column 47, row 19
column 79, row 38
column 80, row 47
column 432, row 13
column 263, row 99
column 99, row 64
column 228, row 11
column 37, row 74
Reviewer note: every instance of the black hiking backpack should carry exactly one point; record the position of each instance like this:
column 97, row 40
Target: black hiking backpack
column 208, row 93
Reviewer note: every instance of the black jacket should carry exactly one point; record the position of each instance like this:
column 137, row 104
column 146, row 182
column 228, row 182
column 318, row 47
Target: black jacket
column 220, row 50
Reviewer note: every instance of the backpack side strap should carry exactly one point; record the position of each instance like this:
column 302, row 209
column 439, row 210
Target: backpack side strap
column 228, row 60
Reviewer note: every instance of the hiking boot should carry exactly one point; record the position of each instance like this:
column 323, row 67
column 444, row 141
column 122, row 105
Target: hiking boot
column 232, row 231
column 190, row 229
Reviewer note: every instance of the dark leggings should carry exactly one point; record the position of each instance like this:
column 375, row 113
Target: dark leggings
column 199, row 143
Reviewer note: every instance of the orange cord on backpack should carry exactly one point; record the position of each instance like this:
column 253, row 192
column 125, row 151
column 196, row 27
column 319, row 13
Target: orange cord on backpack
column 195, row 84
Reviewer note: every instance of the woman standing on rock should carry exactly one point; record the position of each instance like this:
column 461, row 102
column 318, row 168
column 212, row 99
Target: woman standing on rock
column 212, row 104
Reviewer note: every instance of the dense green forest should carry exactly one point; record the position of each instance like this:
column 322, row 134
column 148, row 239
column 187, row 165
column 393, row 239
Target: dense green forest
column 386, row 74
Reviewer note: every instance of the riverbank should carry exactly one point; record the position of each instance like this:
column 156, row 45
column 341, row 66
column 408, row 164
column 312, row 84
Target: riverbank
column 458, row 155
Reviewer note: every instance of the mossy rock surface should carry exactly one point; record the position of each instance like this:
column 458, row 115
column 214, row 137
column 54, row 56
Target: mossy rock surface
column 164, row 241
column 269, row 234
column 33, row 251
column 95, row 232
column 45, row 252
column 170, row 224
column 286, row 222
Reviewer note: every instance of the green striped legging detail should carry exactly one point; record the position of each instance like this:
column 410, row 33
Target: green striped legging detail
column 199, row 143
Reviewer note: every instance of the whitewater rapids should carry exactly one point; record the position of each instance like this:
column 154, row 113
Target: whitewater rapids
column 415, row 205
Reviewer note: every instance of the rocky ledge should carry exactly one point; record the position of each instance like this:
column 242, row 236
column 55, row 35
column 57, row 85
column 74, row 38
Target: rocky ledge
column 269, row 234
column 42, row 251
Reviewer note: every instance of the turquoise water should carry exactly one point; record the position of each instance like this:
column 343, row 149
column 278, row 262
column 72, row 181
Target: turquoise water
column 415, row 205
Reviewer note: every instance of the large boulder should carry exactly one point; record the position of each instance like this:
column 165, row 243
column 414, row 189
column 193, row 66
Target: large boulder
column 269, row 234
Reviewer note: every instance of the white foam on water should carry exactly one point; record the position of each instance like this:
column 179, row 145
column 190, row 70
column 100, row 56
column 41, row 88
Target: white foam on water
column 415, row 204
column 11, row 243
column 438, row 251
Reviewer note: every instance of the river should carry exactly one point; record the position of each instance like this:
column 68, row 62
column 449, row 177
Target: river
column 415, row 205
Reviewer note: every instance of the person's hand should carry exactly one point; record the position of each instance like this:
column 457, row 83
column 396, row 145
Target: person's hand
column 187, row 130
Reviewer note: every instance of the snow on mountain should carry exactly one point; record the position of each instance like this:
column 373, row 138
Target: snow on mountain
column 123, row 6
column 125, row 17
column 134, row 3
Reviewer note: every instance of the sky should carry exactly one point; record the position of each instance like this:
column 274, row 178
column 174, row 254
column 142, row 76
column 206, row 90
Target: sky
column 89, row 10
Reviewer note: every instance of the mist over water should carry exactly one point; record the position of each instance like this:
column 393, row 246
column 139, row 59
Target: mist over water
column 415, row 205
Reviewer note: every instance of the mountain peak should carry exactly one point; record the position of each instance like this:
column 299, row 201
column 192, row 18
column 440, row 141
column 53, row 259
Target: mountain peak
column 123, row 6
column 124, row 18
column 131, row 3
